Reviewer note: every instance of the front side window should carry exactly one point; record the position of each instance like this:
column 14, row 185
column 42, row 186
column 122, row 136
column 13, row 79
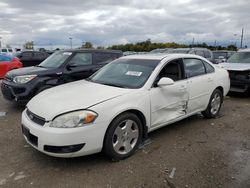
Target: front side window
column 81, row 59
column 125, row 73
column 172, row 70
column 194, row 67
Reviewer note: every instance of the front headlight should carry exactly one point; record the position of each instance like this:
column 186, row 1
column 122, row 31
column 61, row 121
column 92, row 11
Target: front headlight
column 74, row 119
column 23, row 79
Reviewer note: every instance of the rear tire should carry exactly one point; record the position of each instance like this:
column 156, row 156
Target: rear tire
column 123, row 137
column 214, row 105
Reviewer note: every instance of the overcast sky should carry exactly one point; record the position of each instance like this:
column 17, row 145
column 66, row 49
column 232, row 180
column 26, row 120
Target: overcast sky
column 107, row 22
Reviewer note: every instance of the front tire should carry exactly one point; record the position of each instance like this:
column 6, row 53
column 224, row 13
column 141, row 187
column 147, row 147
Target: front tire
column 123, row 136
column 214, row 105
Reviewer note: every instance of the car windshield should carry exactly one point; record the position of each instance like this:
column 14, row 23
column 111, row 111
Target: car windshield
column 125, row 73
column 55, row 60
column 240, row 57
column 218, row 55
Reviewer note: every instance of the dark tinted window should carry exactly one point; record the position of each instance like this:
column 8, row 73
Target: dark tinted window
column 209, row 68
column 172, row 70
column 200, row 53
column 207, row 54
column 194, row 67
column 105, row 57
column 4, row 50
column 81, row 59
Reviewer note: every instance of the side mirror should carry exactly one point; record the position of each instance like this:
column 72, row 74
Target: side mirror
column 71, row 65
column 165, row 82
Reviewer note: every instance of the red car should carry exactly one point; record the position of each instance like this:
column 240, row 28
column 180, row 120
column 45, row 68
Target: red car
column 8, row 63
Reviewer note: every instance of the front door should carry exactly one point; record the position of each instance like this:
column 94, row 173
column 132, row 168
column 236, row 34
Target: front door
column 169, row 102
column 79, row 67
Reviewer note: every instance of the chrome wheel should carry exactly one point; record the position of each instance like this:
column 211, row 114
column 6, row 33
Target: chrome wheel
column 215, row 103
column 125, row 137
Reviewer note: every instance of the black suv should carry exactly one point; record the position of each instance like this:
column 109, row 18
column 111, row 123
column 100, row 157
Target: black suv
column 61, row 67
column 32, row 58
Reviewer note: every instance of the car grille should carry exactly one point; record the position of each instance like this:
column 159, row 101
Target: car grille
column 35, row 118
column 239, row 75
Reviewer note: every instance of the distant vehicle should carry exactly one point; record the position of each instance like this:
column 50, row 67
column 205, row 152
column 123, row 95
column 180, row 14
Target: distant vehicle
column 59, row 68
column 114, row 110
column 160, row 50
column 238, row 66
column 129, row 53
column 7, row 51
column 203, row 52
column 8, row 63
column 222, row 56
column 32, row 58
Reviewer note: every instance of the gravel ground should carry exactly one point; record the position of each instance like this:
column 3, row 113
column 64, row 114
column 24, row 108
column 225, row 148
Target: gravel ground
column 195, row 152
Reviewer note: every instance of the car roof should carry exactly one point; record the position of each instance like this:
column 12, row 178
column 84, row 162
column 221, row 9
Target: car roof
column 6, row 55
column 160, row 56
column 92, row 50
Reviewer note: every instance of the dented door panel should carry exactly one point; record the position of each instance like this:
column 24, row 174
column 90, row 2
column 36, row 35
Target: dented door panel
column 168, row 103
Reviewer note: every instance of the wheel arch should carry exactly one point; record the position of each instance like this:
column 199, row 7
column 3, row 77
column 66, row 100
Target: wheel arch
column 142, row 118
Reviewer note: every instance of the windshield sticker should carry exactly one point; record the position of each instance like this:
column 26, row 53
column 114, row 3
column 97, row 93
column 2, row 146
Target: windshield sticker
column 67, row 53
column 133, row 73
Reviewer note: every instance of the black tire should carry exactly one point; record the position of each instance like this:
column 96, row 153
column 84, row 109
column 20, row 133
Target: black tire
column 208, row 112
column 43, row 88
column 111, row 137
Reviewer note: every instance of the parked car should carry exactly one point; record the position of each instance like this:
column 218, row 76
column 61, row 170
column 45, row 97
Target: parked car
column 32, row 58
column 159, row 50
column 203, row 52
column 222, row 56
column 238, row 66
column 7, row 51
column 61, row 67
column 115, row 109
column 8, row 63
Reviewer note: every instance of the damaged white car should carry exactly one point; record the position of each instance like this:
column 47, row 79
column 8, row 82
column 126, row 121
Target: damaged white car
column 115, row 109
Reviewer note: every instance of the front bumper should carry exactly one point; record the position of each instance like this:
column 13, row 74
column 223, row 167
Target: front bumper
column 20, row 93
column 63, row 142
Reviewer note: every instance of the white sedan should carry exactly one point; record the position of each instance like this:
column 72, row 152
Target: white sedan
column 115, row 109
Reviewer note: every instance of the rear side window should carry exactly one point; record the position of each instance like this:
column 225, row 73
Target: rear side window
column 4, row 50
column 105, row 57
column 209, row 68
column 194, row 67
column 207, row 54
column 200, row 53
column 80, row 59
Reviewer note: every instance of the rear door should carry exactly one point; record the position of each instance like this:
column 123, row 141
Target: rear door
column 80, row 66
column 200, row 84
column 169, row 102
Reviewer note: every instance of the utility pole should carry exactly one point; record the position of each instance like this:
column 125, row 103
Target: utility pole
column 0, row 42
column 242, row 35
column 193, row 42
column 70, row 38
column 215, row 44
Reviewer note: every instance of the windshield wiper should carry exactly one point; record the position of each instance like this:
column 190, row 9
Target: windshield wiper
column 114, row 85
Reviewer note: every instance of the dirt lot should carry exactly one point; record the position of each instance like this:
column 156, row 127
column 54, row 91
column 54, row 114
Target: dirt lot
column 205, row 153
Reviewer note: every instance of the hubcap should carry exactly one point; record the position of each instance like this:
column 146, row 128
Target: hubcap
column 125, row 136
column 215, row 103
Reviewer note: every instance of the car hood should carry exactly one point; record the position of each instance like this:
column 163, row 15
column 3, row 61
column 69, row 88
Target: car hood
column 72, row 96
column 236, row 66
column 28, row 71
